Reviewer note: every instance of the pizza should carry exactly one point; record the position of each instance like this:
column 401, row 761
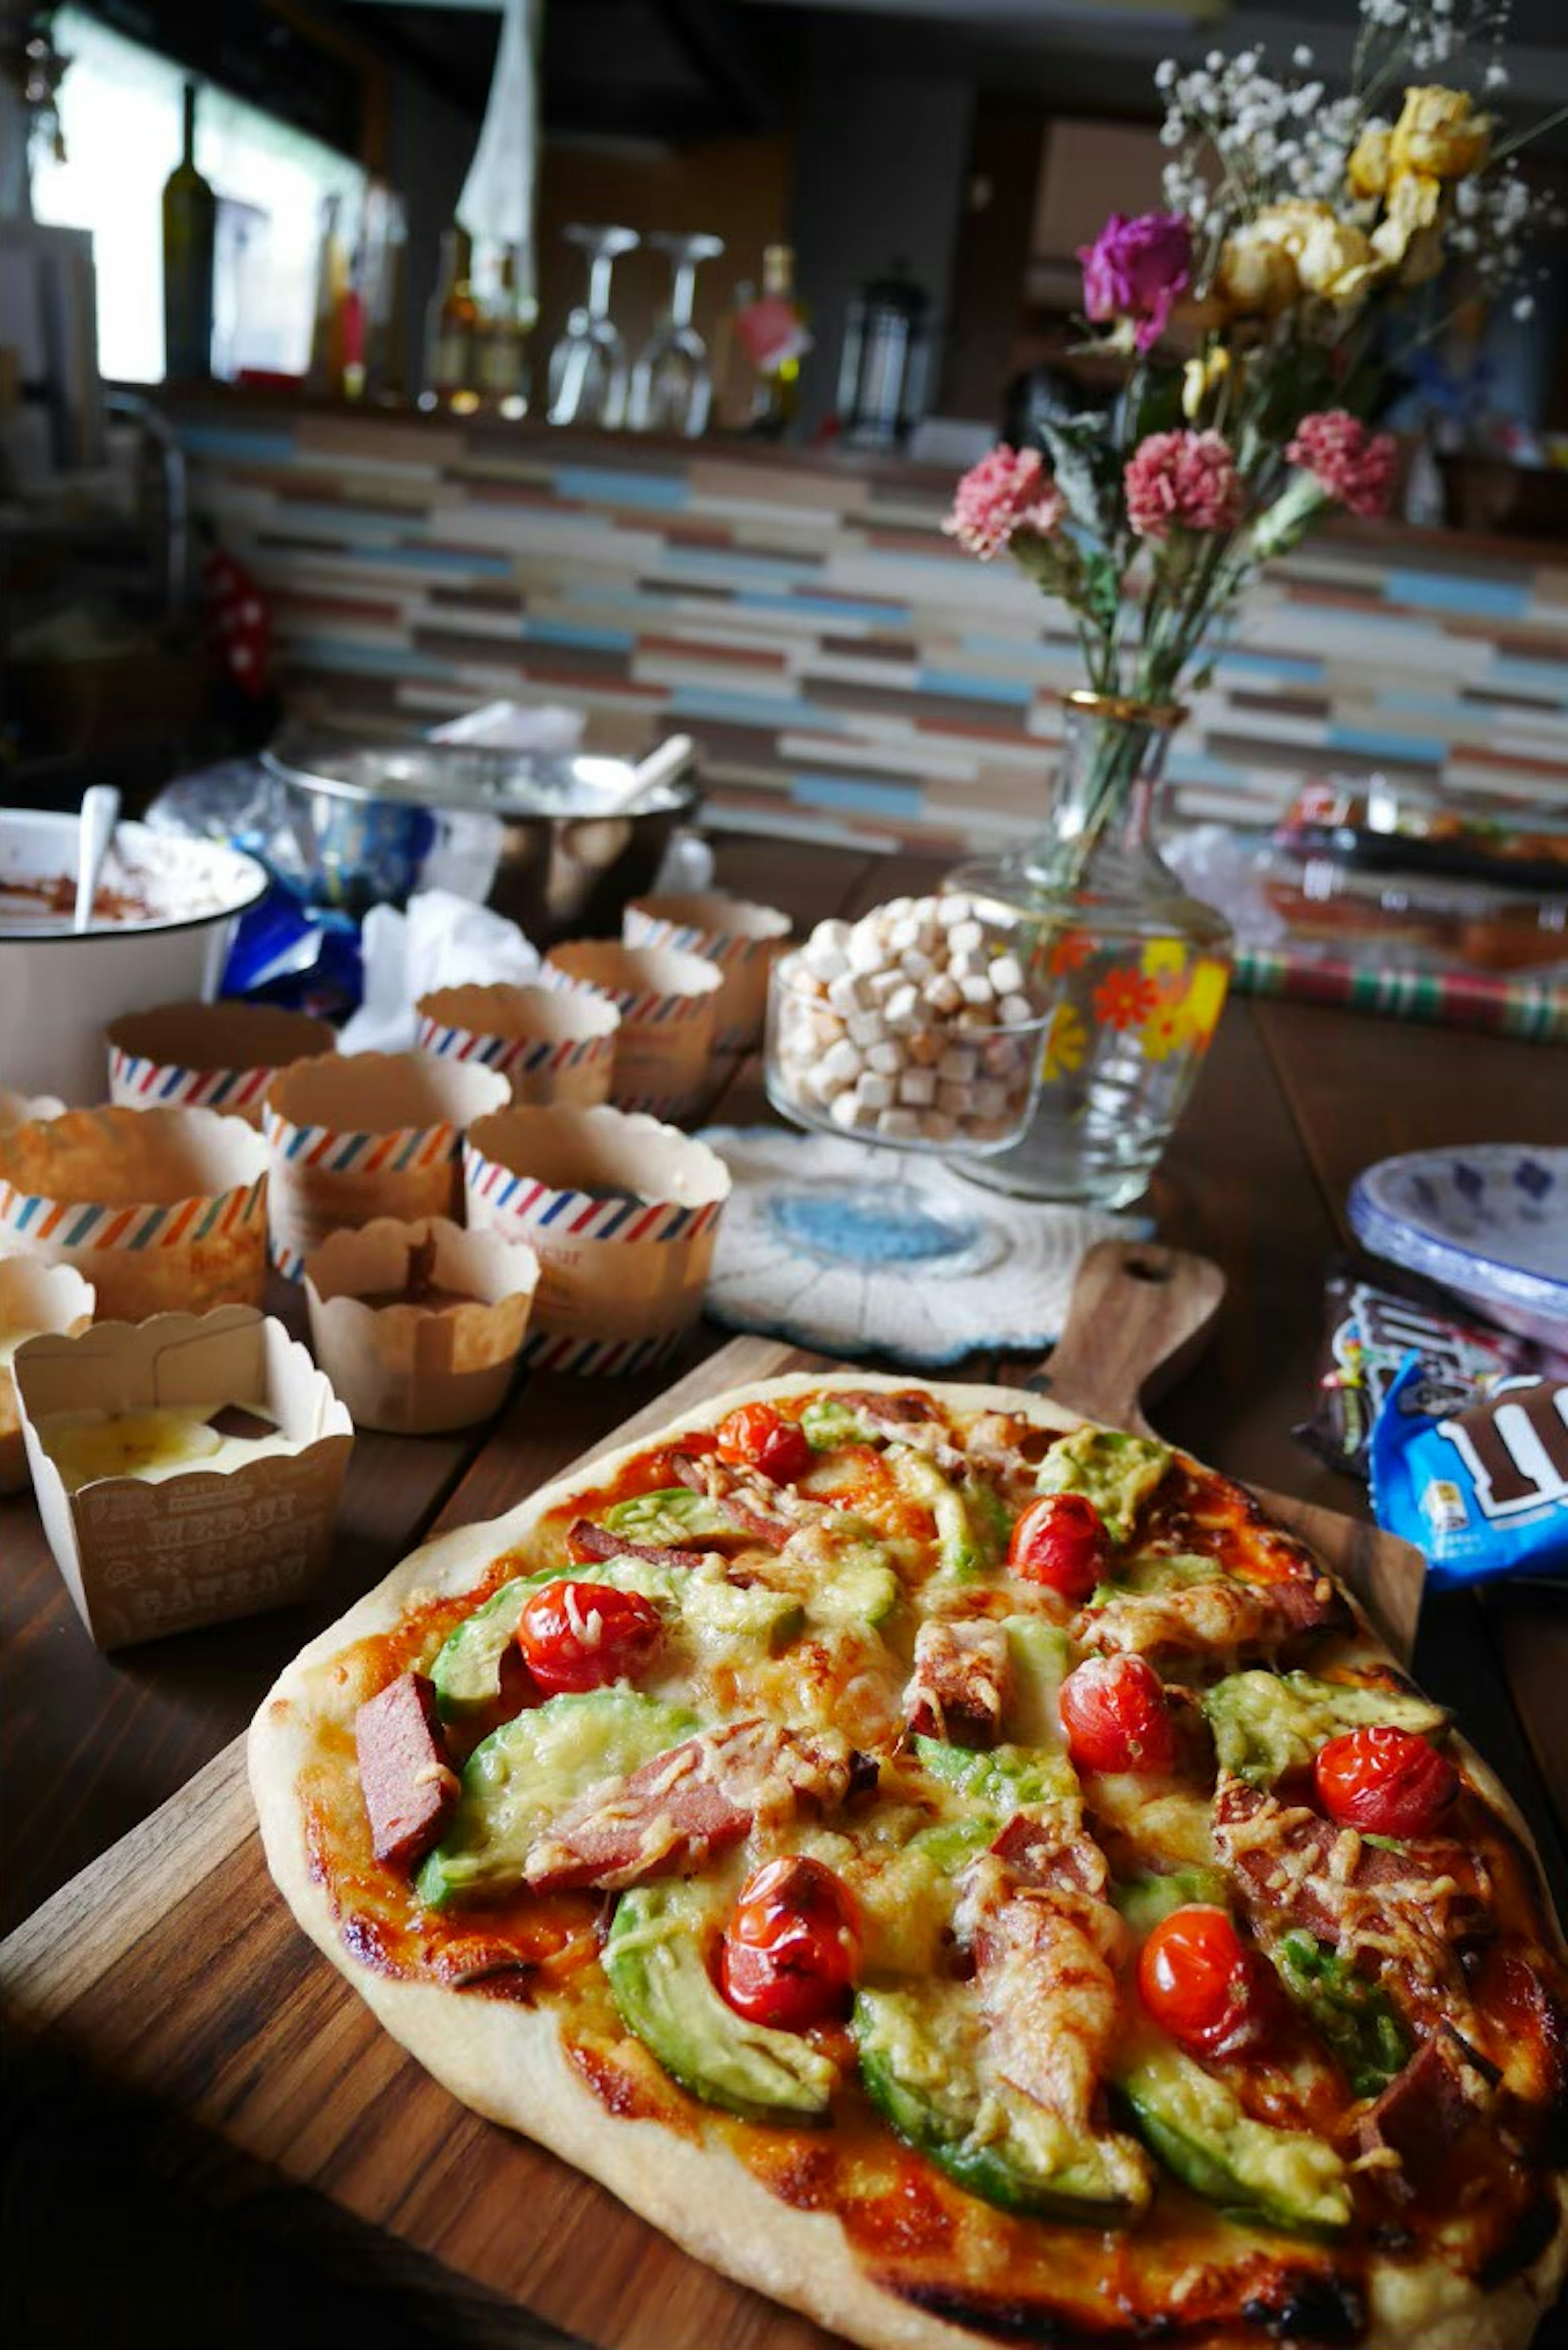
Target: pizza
column 956, row 1868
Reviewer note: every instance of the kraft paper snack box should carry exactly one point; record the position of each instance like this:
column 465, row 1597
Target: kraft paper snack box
column 161, row 1209
column 745, row 940
column 622, row 1212
column 551, row 1045
column 218, row 1057
column 420, row 1363
column 35, row 1299
column 365, row 1135
column 143, row 1555
column 666, row 1002
column 1483, row 1491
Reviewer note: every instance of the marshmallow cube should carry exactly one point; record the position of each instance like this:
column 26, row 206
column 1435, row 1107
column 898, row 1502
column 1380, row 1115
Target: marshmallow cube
column 917, row 1089
column 865, row 1027
column 885, row 1058
column 1007, row 975
column 898, row 1124
column 842, row 1060
column 874, row 1092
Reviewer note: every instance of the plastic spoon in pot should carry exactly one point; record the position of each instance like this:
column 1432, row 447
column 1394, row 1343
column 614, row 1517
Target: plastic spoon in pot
column 661, row 766
column 94, row 831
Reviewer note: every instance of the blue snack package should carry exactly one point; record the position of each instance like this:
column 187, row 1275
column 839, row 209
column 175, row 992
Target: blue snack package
column 1483, row 1492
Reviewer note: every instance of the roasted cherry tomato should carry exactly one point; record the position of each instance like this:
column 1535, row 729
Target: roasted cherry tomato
column 1116, row 1717
column 1389, row 1781
column 1061, row 1540
column 580, row 1636
column 792, row 1948
column 756, row 1436
column 1200, row 1981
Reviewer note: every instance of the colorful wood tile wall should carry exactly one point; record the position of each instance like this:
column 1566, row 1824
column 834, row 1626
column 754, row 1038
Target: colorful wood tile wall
column 839, row 659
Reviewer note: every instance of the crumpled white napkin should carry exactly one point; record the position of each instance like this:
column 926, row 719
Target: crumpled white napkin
column 441, row 940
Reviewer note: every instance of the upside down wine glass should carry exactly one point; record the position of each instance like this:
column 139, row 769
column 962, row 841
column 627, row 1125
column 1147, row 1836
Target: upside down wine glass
column 588, row 383
column 671, row 384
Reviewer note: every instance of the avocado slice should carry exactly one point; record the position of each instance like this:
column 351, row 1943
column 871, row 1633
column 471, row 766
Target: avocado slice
column 1265, row 1723
column 1275, row 2178
column 827, row 1423
column 1145, row 1901
column 676, row 1515
column 1117, row 1473
column 1002, row 1781
column 970, row 1538
column 466, row 1670
column 863, row 1588
column 655, row 1961
column 527, row 1772
column 922, row 2051
column 1353, row 2017
column 721, row 1615
column 1041, row 1655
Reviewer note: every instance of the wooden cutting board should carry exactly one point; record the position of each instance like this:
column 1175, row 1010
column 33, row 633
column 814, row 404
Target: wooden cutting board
column 172, row 1969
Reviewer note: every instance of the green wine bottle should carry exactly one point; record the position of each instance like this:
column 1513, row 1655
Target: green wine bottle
column 190, row 237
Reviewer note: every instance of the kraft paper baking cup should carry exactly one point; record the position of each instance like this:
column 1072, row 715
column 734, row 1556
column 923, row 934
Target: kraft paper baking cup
column 143, row 1556
column 742, row 939
column 35, row 1299
column 551, row 1045
column 666, row 1002
column 159, row 1209
column 622, row 1213
column 365, row 1135
column 218, row 1057
column 418, row 1370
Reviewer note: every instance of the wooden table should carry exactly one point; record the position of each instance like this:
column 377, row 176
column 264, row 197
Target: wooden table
column 1293, row 1101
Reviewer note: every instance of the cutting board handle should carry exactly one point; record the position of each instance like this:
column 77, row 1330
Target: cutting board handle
column 1138, row 1315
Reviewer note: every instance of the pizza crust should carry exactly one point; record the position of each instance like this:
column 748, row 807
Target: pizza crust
column 508, row 2065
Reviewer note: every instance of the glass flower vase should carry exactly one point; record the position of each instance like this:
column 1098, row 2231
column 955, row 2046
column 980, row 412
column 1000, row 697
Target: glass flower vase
column 1131, row 970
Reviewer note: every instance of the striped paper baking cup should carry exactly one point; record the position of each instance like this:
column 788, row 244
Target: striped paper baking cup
column 366, row 1134
column 667, row 1002
column 742, row 939
column 208, row 1056
column 550, row 1044
column 622, row 1212
column 35, row 1298
column 160, row 1210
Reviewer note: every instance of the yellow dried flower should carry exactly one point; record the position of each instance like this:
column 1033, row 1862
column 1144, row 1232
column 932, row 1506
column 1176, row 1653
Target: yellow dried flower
column 1439, row 135
column 1409, row 236
column 1256, row 277
column 1367, row 168
column 1201, row 378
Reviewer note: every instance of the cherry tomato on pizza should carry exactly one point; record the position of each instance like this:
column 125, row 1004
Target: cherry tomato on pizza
column 1200, row 1981
column 1116, row 1717
column 792, row 1948
column 1061, row 1541
column 1389, row 1781
column 583, row 1636
column 756, row 1436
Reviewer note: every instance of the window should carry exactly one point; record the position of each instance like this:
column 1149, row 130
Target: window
column 121, row 112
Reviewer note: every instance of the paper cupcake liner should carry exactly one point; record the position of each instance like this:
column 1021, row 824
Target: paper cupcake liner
column 35, row 1299
column 490, row 1027
column 143, row 1558
column 142, row 1255
column 743, row 940
column 621, row 1278
column 327, row 1179
column 208, row 1056
column 667, row 1004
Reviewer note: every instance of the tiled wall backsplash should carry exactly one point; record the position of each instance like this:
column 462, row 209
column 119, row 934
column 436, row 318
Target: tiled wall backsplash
column 839, row 660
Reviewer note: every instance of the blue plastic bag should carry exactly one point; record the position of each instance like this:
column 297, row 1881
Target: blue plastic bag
column 1483, row 1492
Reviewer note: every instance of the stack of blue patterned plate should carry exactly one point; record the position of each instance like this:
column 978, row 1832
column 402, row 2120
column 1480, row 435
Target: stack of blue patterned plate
column 1490, row 1223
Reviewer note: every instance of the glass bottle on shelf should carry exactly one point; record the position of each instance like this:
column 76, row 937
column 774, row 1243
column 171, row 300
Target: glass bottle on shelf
column 384, row 286
column 328, row 355
column 502, row 368
column 776, row 334
column 451, row 328
column 734, row 377
column 190, row 242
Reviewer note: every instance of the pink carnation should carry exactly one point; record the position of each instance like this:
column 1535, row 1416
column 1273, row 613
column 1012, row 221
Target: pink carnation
column 1134, row 269
column 1358, row 468
column 1008, row 491
column 1184, row 481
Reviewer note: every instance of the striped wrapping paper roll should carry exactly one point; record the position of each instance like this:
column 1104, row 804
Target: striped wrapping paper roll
column 667, row 1002
column 624, row 1260
column 179, row 1219
column 743, row 940
column 551, row 1045
column 218, row 1057
column 371, row 1134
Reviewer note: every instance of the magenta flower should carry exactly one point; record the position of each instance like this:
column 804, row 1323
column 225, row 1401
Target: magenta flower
column 1134, row 269
column 1356, row 468
column 1008, row 491
column 1184, row 481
